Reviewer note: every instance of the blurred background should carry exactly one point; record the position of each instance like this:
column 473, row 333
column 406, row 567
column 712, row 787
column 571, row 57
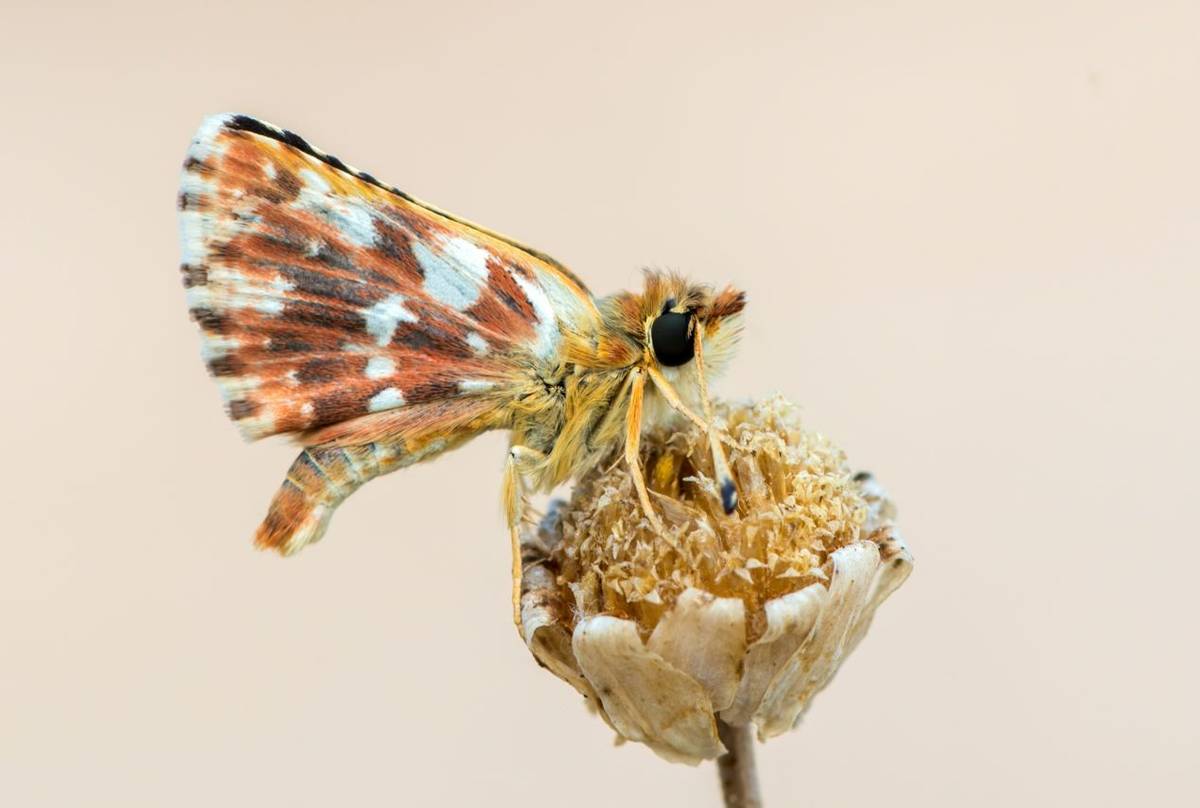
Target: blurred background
column 970, row 236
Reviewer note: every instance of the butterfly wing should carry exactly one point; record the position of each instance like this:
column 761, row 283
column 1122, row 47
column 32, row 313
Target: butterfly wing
column 327, row 297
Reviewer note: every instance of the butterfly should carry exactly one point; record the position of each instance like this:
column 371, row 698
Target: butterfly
column 381, row 331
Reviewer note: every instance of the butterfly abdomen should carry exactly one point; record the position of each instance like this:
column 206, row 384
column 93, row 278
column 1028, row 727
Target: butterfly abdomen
column 320, row 479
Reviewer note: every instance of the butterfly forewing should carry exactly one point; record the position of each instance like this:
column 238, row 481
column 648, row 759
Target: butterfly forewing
column 325, row 295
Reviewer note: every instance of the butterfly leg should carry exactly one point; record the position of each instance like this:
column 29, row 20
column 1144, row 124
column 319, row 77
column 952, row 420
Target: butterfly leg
column 521, row 460
column 633, row 442
column 725, row 482
column 729, row 494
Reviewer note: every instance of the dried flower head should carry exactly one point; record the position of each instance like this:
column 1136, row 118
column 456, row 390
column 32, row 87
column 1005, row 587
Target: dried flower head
column 742, row 616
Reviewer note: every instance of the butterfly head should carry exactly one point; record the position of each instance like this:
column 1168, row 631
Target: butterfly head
column 678, row 318
column 688, row 332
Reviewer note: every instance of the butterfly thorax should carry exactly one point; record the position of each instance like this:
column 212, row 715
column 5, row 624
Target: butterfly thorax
column 573, row 415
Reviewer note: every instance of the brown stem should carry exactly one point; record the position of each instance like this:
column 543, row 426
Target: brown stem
column 739, row 780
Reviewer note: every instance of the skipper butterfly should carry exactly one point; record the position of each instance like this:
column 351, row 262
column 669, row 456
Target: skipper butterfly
column 381, row 331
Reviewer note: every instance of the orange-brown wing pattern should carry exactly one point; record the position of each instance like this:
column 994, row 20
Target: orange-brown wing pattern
column 324, row 295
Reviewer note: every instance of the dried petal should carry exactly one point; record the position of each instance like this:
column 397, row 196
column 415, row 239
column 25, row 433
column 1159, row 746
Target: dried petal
column 811, row 666
column 645, row 697
column 704, row 636
column 790, row 620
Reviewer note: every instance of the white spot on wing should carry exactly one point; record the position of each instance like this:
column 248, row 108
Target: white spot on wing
column 547, row 325
column 280, row 285
column 478, row 344
column 198, row 297
column 271, row 302
column 204, row 143
column 257, row 425
column 314, row 181
column 380, row 367
column 456, row 275
column 469, row 255
column 196, row 185
column 353, row 220
column 355, row 223
column 384, row 316
column 194, row 225
column 475, row 385
column 234, row 387
column 386, row 399
column 268, row 306
column 191, row 238
column 214, row 347
column 231, row 289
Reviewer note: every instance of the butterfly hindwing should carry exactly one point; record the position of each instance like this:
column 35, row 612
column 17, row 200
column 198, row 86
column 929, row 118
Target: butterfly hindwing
column 325, row 296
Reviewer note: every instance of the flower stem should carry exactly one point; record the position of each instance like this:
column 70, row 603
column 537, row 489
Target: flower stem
column 739, row 780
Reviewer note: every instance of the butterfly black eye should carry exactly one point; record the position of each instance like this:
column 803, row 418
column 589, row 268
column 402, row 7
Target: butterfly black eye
column 671, row 338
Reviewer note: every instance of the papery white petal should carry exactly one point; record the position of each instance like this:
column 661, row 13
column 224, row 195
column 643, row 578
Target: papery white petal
column 551, row 646
column 816, row 660
column 646, row 698
column 894, row 567
column 880, row 509
column 790, row 620
column 705, row 637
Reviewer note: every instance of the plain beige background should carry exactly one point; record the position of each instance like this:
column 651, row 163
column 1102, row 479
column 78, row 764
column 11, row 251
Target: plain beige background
column 970, row 234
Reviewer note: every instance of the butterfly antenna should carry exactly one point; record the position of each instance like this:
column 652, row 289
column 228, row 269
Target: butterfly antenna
column 725, row 484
